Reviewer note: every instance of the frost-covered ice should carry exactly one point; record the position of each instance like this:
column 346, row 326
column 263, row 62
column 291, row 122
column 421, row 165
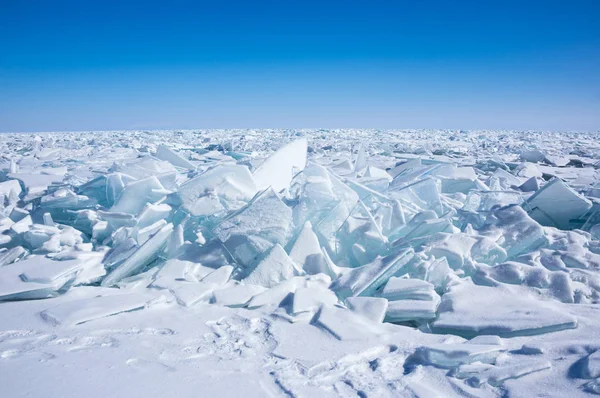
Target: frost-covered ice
column 300, row 263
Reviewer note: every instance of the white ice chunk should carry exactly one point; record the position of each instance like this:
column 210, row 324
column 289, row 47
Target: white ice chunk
column 343, row 324
column 372, row 308
column 365, row 280
column 275, row 268
column 309, row 299
column 163, row 152
column 141, row 257
column 306, row 251
column 152, row 213
column 226, row 187
column 254, row 229
column 136, row 194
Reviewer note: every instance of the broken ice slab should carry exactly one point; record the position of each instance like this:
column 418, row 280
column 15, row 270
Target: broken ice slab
column 275, row 296
column 424, row 193
column 557, row 205
column 469, row 310
column 361, row 237
column 10, row 188
column 485, row 201
column 407, row 165
column 44, row 270
column 152, row 213
column 513, row 230
column 411, row 310
column 344, row 324
column 365, row 280
column 15, row 287
column 257, row 227
column 147, row 166
column 189, row 293
column 275, row 268
column 9, row 256
column 142, row 235
column 136, row 194
column 66, row 199
column 533, row 156
column 455, row 354
column 36, row 183
column 361, row 162
column 505, row 179
column 531, row 185
column 310, row 299
column 408, row 289
column 237, row 295
column 165, row 153
column 372, row 308
column 478, row 373
column 306, row 251
column 278, row 169
column 76, row 312
column 140, row 258
column 223, row 187
column 175, row 270
column 459, row 248
column 591, row 365
column 457, row 179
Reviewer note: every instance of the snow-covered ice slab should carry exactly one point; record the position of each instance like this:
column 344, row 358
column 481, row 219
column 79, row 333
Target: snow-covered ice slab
column 469, row 311
column 76, row 312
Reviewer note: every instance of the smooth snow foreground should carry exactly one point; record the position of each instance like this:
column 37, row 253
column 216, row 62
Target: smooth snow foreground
column 300, row 263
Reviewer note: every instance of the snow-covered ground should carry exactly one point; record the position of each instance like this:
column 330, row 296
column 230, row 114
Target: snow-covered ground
column 300, row 263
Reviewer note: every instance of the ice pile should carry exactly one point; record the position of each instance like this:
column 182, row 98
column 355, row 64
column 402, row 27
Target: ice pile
column 469, row 242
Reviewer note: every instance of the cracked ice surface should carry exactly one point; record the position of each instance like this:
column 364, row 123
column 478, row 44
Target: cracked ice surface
column 300, row 263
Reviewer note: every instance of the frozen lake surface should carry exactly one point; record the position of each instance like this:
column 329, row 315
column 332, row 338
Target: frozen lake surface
column 300, row 263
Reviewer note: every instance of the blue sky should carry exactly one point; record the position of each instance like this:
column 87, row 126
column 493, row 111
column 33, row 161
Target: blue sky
column 94, row 65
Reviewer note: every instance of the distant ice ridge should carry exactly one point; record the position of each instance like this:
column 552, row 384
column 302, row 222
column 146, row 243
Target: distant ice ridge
column 479, row 235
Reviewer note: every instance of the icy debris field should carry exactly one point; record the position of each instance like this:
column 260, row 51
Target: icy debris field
column 300, row 263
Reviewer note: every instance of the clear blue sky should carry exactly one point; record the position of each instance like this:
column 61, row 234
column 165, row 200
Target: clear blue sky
column 88, row 65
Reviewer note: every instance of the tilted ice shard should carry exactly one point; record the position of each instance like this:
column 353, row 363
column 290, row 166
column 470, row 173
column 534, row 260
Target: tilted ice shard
column 163, row 152
column 136, row 194
column 254, row 229
column 140, row 258
column 278, row 169
column 557, row 205
column 275, row 268
column 223, row 187
column 306, row 251
column 365, row 280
